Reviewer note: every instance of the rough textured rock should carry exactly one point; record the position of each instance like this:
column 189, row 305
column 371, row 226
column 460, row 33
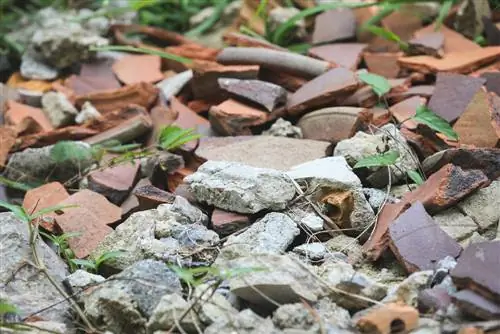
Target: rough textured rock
column 58, row 109
column 88, row 113
column 377, row 197
column 124, row 302
column 213, row 306
column 81, row 280
column 362, row 145
column 240, row 188
column 408, row 290
column 23, row 285
column 270, row 235
column 33, row 68
column 166, row 313
column 483, row 205
column 456, row 224
column 245, row 322
column 36, row 164
column 313, row 251
column 283, row 128
column 346, row 245
column 161, row 233
column 308, row 220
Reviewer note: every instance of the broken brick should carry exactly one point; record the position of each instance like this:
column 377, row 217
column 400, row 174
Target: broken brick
column 383, row 63
column 26, row 119
column 131, row 204
column 427, row 44
column 134, row 69
column 115, row 183
column 232, row 118
column 474, row 127
column 263, row 93
column 7, row 141
column 47, row 195
column 226, row 223
column 418, row 242
column 325, row 89
column 424, row 91
column 474, row 304
column 149, row 197
column 453, row 93
column 344, row 27
column 94, row 77
column 334, row 124
column 347, row 55
column 406, row 109
column 478, row 269
column 143, row 94
column 288, row 81
column 205, row 75
column 389, row 318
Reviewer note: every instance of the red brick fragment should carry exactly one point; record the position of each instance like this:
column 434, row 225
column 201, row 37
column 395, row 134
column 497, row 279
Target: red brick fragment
column 115, row 183
column 344, row 27
column 384, row 64
column 389, row 318
column 26, row 119
column 48, row 195
column 226, row 223
column 51, row 137
column 418, row 242
column 96, row 76
column 232, row 118
column 406, row 109
column 7, row 140
column 131, row 204
column 149, row 197
column 347, row 55
column 138, row 68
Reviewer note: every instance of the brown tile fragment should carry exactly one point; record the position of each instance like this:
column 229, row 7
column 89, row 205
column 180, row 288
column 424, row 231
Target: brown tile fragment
column 420, row 144
column 237, row 39
column 7, row 141
column 288, row 81
column 475, row 127
column 95, row 76
column 205, row 75
column 433, row 299
column 453, row 93
column 189, row 119
column 232, row 118
column 484, row 159
column 131, row 204
column 225, row 223
column 406, row 109
column 26, row 119
column 430, row 44
column 494, row 107
column 115, row 183
column 478, row 269
column 458, row 61
column 149, row 197
column 143, row 94
column 134, row 69
column 389, row 318
column 418, row 242
column 16, row 80
column 476, row 305
column 347, row 55
column 492, row 82
column 51, row 137
column 384, row 63
column 47, row 195
column 424, row 91
column 344, row 27
column 263, row 93
column 325, row 89
column 453, row 41
column 334, row 124
column 199, row 106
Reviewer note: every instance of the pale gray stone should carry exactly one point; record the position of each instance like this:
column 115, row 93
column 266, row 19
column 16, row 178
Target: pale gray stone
column 407, row 291
column 457, row 225
column 170, row 87
column 347, row 245
column 483, row 205
column 271, row 235
column 245, row 322
column 58, row 109
column 308, row 220
column 313, row 251
column 212, row 306
column 44, row 327
column 88, row 113
column 377, row 198
column 363, row 145
column 240, row 188
column 295, row 316
column 22, row 284
column 473, row 239
column 81, row 280
column 32, row 67
column 168, row 312
column 283, row 128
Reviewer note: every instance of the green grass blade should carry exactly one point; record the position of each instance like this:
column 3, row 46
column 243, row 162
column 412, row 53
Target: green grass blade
column 210, row 22
column 435, row 122
column 17, row 210
column 415, row 177
column 378, row 160
column 443, row 12
column 126, row 48
column 16, row 185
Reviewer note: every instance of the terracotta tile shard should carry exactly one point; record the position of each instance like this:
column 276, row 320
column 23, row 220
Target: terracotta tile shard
column 344, row 27
column 225, row 223
column 486, row 160
column 459, row 61
column 494, row 106
column 389, row 318
column 237, row 39
column 232, row 118
column 453, row 41
column 143, row 94
column 138, row 68
column 115, row 183
column 492, row 82
column 446, row 187
column 107, row 212
column 453, row 93
column 478, row 269
column 189, row 119
column 384, row 64
column 424, row 91
column 94, row 77
column 199, row 106
column 88, row 227
column 334, row 124
column 379, row 240
column 192, row 51
column 51, row 137
column 288, row 81
column 366, row 98
column 347, row 55
column 430, row 44
column 205, row 75
column 406, row 109
column 26, row 119
column 149, row 197
column 475, row 126
column 259, row 92
column 16, row 80
column 420, row 144
column 476, row 305
column 131, row 204
column 48, row 195
column 332, row 86
column 7, row 141
column 418, row 242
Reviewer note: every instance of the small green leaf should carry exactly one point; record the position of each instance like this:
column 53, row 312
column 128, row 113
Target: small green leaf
column 84, row 263
column 70, row 150
column 172, row 137
column 7, row 308
column 378, row 160
column 415, row 177
column 108, row 256
column 435, row 122
column 17, row 210
column 378, row 83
